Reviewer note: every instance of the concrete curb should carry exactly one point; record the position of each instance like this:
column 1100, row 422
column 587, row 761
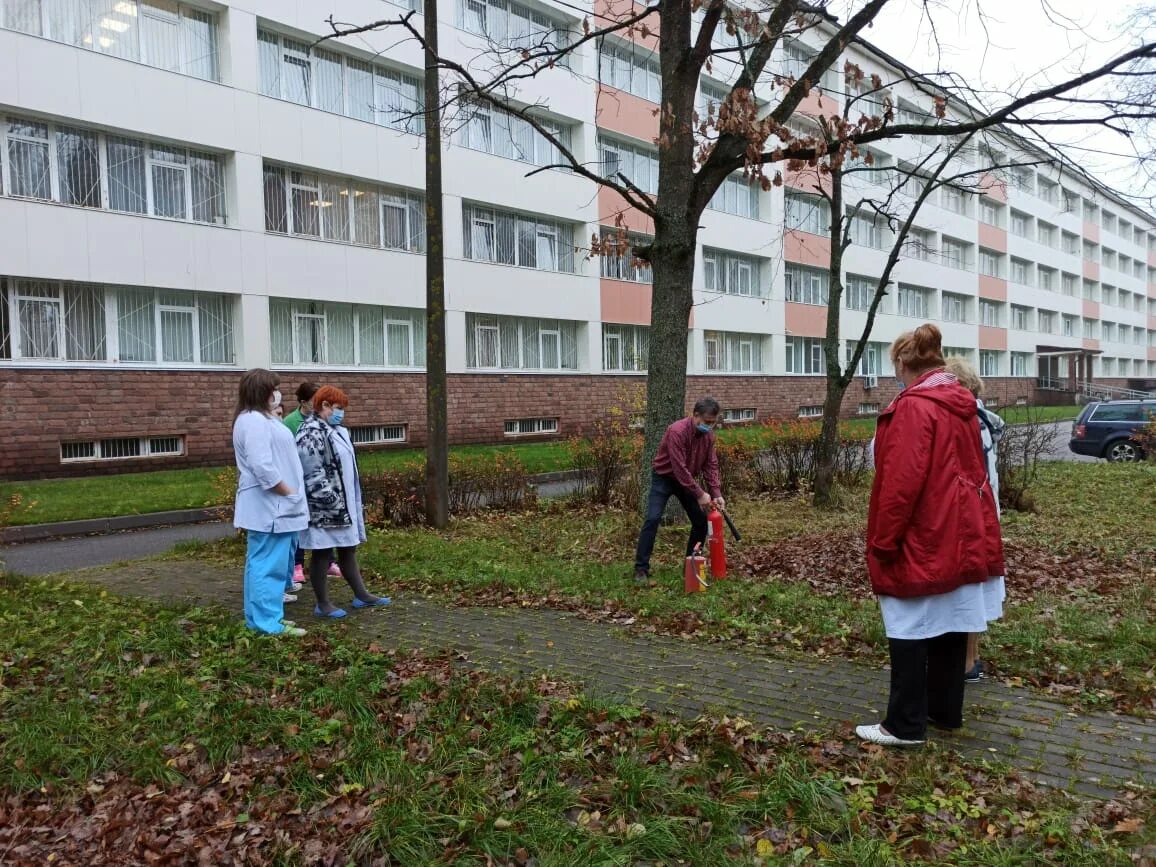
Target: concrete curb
column 105, row 526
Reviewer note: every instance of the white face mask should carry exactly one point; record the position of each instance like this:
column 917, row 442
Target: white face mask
column 275, row 400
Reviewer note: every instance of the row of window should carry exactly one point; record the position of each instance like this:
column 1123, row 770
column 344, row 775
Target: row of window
column 57, row 163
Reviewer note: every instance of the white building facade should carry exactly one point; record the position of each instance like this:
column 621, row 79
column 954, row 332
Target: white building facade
column 191, row 190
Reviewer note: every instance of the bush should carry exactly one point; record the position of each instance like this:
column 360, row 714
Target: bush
column 1018, row 455
column 780, row 456
column 606, row 461
column 1146, row 438
column 224, row 486
column 497, row 481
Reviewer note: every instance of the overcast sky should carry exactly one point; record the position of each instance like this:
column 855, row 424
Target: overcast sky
column 1018, row 45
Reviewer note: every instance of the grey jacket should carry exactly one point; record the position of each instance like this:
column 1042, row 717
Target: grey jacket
column 324, row 484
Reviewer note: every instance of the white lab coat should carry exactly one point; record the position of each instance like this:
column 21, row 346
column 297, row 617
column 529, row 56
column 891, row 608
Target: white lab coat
column 266, row 454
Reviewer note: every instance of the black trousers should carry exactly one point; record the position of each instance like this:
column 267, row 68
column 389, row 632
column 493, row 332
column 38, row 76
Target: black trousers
column 662, row 488
column 926, row 684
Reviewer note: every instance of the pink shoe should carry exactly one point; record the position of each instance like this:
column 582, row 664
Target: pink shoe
column 298, row 575
column 334, row 571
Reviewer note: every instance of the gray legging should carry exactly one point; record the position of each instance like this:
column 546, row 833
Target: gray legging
column 347, row 560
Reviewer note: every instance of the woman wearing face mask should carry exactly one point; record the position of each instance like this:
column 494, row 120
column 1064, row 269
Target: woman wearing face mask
column 270, row 503
column 933, row 540
column 333, row 491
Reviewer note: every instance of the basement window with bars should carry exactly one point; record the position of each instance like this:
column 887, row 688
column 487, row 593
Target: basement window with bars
column 122, row 448
column 379, row 433
column 868, row 409
column 520, row 427
column 810, row 412
column 737, row 416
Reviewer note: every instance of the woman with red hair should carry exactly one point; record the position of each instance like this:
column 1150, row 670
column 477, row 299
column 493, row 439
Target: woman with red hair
column 333, row 491
column 933, row 540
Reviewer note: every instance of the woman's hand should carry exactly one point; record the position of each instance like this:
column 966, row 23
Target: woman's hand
column 284, row 490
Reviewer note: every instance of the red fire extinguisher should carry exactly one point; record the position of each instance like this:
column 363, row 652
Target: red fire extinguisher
column 715, row 544
column 694, row 578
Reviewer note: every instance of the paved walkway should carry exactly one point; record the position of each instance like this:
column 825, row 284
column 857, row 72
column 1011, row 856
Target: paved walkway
column 1094, row 754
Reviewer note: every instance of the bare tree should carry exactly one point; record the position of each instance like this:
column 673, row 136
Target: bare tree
column 746, row 135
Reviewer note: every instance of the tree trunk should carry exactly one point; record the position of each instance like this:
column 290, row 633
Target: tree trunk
column 671, row 300
column 437, row 422
column 827, row 449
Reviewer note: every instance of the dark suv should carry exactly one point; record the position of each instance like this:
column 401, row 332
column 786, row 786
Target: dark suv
column 1104, row 429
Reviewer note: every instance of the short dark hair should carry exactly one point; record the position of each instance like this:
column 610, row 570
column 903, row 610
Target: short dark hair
column 306, row 390
column 707, row 406
column 257, row 386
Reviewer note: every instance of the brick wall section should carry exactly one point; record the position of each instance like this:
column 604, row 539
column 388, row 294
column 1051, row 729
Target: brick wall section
column 41, row 408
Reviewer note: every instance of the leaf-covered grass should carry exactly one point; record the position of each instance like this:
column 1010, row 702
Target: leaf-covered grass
column 132, row 732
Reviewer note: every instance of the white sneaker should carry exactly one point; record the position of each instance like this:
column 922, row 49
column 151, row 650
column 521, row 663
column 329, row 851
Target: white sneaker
column 288, row 622
column 293, row 630
column 877, row 735
column 288, row 597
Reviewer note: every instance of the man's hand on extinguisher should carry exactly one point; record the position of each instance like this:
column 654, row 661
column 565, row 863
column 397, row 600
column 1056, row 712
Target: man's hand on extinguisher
column 704, row 499
column 720, row 503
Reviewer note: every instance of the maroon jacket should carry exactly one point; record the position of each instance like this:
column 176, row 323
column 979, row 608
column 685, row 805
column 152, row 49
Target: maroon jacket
column 932, row 525
column 686, row 453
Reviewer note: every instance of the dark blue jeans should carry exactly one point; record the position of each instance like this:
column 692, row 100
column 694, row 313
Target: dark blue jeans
column 662, row 488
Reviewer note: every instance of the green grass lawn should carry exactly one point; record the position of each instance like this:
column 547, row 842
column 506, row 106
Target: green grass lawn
column 54, row 500
column 130, row 730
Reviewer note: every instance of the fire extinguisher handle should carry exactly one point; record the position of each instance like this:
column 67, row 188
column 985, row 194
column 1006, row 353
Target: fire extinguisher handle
column 734, row 530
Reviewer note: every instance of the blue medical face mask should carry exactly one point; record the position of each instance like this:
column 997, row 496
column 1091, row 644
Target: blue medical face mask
column 337, row 416
column 703, row 428
column 902, row 384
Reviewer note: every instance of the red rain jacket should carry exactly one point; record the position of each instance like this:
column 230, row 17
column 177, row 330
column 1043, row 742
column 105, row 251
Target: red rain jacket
column 932, row 525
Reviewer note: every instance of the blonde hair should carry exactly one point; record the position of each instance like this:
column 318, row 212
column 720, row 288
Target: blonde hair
column 920, row 350
column 965, row 373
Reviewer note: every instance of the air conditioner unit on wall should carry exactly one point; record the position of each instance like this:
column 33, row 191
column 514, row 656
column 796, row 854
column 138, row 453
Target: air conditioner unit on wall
column 870, row 382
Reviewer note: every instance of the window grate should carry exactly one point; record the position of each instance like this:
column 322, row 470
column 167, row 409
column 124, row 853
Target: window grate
column 379, row 433
column 529, row 426
column 122, row 448
column 810, row 412
column 736, row 416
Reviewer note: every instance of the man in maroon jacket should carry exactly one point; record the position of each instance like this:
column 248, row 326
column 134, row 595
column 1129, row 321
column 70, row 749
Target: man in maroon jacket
column 685, row 453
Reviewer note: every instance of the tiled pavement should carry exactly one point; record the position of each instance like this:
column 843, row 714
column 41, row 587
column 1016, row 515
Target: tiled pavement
column 1093, row 754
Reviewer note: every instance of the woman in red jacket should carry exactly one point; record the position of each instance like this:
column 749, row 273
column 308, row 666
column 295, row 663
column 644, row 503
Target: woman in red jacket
column 933, row 540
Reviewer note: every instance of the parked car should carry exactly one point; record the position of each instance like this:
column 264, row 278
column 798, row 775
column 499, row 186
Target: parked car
column 1104, row 429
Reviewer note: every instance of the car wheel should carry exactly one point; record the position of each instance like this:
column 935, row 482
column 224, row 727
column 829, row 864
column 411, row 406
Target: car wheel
column 1122, row 452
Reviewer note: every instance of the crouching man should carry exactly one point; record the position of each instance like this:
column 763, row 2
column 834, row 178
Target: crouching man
column 686, row 453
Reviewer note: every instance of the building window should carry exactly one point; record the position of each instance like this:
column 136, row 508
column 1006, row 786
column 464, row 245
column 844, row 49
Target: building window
column 958, row 352
column 1069, row 326
column 625, row 265
column 711, row 97
column 859, row 292
column 871, row 362
column 1068, row 283
column 490, row 129
column 868, row 409
column 913, row 301
column 988, row 313
column 330, row 334
column 1047, row 321
column 733, row 352
column 378, row 434
column 79, row 167
column 521, row 427
column 157, row 33
column 919, row 244
column 1021, row 224
column 739, row 416
column 1020, row 361
column 1021, row 318
column 49, row 320
column 333, row 82
column 519, row 343
column 989, row 263
column 954, row 307
column 810, row 412
column 1047, row 278
column 808, row 214
column 508, row 238
column 737, row 196
column 988, row 363
column 806, row 356
column 122, row 448
column 640, row 165
column 807, row 285
column 310, row 205
column 954, row 199
column 630, row 67
column 989, row 212
column 513, row 25
column 732, row 273
column 1021, row 272
column 625, row 348
column 953, row 253
column 867, row 230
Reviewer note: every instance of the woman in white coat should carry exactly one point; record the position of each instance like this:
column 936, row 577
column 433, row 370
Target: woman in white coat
column 270, row 503
column 333, row 492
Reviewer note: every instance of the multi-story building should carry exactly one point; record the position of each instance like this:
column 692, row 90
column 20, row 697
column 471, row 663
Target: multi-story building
column 191, row 189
